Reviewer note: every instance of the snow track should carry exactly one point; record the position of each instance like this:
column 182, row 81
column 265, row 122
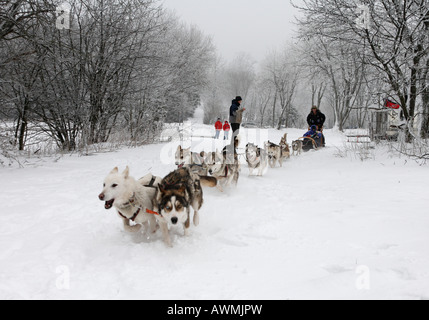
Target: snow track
column 321, row 227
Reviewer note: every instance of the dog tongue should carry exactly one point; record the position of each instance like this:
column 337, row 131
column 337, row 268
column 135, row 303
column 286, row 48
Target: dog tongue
column 108, row 205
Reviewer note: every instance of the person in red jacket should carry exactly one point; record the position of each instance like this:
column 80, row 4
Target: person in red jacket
column 227, row 129
column 218, row 126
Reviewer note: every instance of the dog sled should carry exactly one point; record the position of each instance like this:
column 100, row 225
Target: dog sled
column 309, row 143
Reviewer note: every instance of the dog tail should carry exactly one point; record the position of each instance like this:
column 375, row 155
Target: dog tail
column 209, row 182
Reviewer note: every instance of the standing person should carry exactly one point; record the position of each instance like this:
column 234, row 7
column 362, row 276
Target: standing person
column 227, row 129
column 316, row 118
column 236, row 115
column 218, row 127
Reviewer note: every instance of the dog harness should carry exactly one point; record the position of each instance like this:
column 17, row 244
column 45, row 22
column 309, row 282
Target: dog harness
column 139, row 209
column 150, row 185
column 133, row 218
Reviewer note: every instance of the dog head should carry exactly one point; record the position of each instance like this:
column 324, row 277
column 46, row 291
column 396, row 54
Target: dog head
column 252, row 151
column 273, row 150
column 214, row 162
column 183, row 156
column 116, row 188
column 173, row 204
column 296, row 145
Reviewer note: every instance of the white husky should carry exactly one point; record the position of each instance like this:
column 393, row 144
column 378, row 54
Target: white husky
column 132, row 199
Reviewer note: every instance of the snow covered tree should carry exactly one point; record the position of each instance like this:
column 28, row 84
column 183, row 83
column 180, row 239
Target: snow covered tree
column 391, row 36
column 121, row 67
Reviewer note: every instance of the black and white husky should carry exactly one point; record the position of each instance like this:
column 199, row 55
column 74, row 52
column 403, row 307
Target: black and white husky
column 257, row 159
column 177, row 193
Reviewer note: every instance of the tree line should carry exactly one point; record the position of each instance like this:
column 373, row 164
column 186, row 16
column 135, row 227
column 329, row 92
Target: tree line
column 349, row 56
column 118, row 67
column 370, row 50
column 127, row 67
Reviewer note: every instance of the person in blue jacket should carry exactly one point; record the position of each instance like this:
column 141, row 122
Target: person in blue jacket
column 313, row 133
column 317, row 136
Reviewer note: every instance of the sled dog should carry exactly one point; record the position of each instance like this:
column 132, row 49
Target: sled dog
column 177, row 193
column 132, row 199
column 277, row 153
column 224, row 166
column 192, row 160
column 285, row 147
column 256, row 158
column 297, row 147
column 274, row 154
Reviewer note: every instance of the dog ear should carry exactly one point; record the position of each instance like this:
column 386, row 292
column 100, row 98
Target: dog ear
column 126, row 172
column 115, row 170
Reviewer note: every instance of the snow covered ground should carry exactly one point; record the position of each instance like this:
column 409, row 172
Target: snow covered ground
column 321, row 227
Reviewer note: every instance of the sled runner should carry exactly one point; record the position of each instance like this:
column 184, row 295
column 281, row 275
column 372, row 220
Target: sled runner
column 309, row 143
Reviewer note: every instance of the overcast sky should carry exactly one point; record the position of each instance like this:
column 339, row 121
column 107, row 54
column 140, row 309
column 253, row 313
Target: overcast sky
column 251, row 26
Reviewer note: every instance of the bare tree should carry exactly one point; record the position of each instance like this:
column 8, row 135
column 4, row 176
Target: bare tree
column 393, row 38
column 16, row 16
column 122, row 67
column 281, row 73
column 215, row 98
column 189, row 57
column 241, row 76
column 264, row 95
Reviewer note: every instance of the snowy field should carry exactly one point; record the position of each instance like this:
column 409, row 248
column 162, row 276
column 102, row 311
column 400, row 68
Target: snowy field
column 321, row 227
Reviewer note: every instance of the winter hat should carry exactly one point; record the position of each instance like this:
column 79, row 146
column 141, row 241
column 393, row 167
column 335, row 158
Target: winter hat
column 238, row 98
column 314, row 128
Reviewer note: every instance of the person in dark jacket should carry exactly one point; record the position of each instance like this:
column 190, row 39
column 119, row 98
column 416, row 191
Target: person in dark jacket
column 236, row 114
column 316, row 118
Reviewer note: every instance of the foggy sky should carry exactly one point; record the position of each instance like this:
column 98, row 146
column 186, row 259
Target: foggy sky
column 251, row 26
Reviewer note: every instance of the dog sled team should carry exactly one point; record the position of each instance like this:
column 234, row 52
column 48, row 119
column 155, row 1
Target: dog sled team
column 156, row 203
